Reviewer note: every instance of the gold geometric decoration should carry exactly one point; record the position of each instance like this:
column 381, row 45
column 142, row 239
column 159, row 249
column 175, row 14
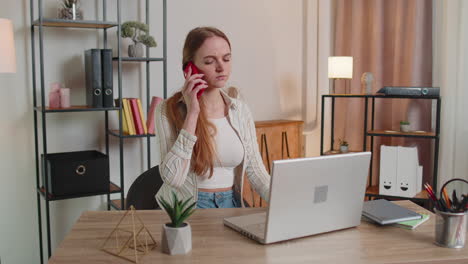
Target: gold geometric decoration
column 130, row 239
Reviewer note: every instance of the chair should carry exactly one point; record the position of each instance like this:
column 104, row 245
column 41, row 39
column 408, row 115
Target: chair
column 144, row 188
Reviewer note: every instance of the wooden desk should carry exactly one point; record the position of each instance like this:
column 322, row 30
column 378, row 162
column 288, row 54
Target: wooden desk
column 215, row 243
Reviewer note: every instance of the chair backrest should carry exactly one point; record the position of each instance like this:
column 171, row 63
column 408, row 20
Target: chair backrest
column 144, row 188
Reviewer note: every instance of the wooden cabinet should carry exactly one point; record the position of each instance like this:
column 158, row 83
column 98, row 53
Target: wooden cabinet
column 277, row 139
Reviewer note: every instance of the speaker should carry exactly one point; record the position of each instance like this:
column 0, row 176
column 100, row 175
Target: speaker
column 410, row 91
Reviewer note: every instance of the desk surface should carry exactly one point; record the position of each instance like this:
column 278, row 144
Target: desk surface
column 215, row 243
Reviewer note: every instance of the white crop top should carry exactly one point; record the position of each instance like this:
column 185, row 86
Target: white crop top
column 230, row 154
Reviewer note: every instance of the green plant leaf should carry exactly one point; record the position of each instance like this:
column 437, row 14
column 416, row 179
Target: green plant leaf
column 188, row 212
column 168, row 208
column 177, row 210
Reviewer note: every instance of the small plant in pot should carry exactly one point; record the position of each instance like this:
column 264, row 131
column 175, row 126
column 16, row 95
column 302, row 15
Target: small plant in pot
column 343, row 146
column 70, row 9
column 177, row 235
column 404, row 126
column 138, row 32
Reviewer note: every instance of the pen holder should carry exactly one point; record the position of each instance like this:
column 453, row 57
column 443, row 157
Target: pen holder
column 450, row 229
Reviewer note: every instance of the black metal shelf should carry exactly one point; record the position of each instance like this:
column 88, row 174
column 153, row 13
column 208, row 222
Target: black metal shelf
column 137, row 59
column 387, row 133
column 113, row 188
column 65, row 23
column 75, row 108
column 117, row 204
column 372, row 190
column 380, row 96
column 116, row 133
column 39, row 90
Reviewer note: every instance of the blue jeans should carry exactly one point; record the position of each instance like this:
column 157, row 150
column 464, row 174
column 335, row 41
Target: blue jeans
column 217, row 200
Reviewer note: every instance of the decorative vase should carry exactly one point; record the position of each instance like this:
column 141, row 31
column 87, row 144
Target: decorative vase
column 73, row 13
column 176, row 240
column 404, row 128
column 135, row 50
column 343, row 149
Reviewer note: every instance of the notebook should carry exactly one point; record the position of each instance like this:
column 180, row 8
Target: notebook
column 384, row 212
column 412, row 224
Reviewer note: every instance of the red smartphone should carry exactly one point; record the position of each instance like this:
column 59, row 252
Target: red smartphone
column 195, row 70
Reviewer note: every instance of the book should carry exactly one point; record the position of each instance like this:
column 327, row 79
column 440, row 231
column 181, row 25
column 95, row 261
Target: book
column 384, row 212
column 128, row 117
column 150, row 121
column 124, row 120
column 142, row 117
column 412, row 224
column 136, row 116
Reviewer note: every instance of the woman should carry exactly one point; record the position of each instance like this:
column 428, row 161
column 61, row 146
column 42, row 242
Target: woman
column 208, row 143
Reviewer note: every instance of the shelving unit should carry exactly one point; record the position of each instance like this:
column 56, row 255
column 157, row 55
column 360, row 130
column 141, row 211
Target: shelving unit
column 372, row 191
column 117, row 203
column 41, row 110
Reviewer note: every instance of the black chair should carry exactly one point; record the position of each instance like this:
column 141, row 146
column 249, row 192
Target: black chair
column 144, row 188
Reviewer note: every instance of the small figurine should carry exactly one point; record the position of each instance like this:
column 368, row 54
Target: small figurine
column 366, row 82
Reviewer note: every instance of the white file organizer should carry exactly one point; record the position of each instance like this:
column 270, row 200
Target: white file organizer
column 400, row 173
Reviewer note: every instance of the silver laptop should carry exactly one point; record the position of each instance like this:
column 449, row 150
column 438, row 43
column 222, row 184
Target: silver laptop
column 309, row 196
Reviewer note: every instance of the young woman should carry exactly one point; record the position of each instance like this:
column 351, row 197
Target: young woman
column 207, row 143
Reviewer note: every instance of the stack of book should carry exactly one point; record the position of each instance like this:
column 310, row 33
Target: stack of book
column 133, row 119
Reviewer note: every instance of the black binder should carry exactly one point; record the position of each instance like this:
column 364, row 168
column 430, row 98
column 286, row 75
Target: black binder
column 107, row 77
column 93, row 71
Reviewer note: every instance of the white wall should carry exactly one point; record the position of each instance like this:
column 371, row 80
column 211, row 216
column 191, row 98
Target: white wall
column 268, row 66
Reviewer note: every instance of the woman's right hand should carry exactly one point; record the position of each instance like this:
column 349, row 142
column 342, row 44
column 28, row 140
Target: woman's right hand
column 189, row 91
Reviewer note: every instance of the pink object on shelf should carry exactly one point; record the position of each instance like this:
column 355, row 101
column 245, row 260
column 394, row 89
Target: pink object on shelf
column 64, row 97
column 54, row 99
column 54, row 95
column 150, row 121
column 55, row 87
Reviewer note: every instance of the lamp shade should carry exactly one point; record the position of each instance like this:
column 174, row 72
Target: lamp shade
column 340, row 67
column 7, row 47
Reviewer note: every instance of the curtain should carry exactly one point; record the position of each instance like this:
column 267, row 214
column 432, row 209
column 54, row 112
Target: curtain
column 393, row 41
column 451, row 74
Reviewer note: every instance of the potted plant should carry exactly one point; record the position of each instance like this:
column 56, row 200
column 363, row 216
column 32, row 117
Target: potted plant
column 343, row 146
column 177, row 235
column 404, row 126
column 138, row 32
column 70, row 10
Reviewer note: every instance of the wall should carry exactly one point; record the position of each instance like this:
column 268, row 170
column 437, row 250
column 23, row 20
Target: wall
column 269, row 66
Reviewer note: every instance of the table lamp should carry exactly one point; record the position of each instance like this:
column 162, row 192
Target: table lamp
column 7, row 47
column 340, row 67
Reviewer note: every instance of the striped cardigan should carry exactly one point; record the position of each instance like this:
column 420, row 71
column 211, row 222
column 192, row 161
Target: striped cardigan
column 176, row 152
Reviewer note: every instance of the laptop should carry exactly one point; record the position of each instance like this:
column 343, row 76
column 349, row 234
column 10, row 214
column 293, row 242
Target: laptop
column 309, row 196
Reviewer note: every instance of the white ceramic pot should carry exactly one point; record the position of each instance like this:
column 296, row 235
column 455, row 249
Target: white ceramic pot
column 176, row 241
column 404, row 128
column 343, row 149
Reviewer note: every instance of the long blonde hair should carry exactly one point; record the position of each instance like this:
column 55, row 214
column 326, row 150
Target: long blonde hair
column 204, row 151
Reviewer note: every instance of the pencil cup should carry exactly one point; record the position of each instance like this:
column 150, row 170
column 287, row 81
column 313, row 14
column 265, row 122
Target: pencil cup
column 450, row 229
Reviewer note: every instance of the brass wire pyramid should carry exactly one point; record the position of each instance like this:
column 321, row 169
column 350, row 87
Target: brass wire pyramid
column 130, row 239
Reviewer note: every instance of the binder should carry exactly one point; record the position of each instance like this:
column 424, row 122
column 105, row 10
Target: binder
column 93, row 71
column 107, row 77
